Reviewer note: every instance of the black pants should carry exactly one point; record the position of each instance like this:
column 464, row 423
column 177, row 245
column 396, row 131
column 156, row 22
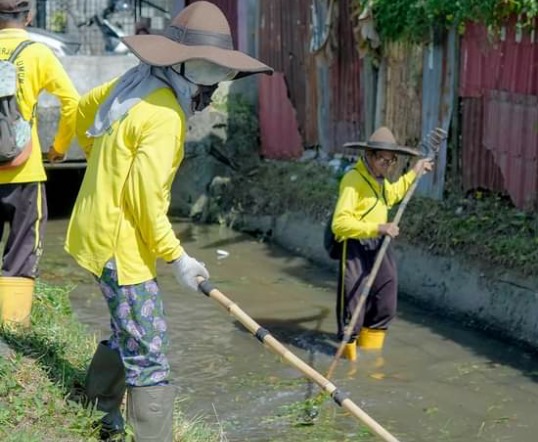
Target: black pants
column 355, row 265
column 24, row 208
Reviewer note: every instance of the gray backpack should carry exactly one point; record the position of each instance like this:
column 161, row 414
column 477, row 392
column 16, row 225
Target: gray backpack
column 15, row 131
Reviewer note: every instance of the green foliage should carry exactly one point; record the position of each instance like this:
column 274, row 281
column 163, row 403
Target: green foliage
column 482, row 227
column 413, row 20
column 58, row 21
column 241, row 144
column 243, row 128
column 280, row 186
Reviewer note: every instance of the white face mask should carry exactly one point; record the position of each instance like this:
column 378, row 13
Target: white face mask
column 204, row 72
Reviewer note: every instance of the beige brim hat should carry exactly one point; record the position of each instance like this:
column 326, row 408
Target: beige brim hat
column 199, row 32
column 158, row 50
column 383, row 139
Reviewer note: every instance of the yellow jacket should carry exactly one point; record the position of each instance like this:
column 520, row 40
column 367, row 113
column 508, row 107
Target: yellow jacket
column 39, row 70
column 363, row 203
column 121, row 209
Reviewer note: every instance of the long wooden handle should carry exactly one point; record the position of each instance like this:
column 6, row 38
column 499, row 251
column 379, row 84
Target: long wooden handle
column 264, row 336
column 371, row 278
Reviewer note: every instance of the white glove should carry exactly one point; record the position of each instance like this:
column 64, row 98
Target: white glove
column 187, row 269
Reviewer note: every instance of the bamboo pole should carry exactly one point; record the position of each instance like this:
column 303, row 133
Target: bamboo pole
column 264, row 336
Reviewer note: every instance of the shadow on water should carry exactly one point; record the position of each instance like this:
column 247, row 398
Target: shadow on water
column 297, row 333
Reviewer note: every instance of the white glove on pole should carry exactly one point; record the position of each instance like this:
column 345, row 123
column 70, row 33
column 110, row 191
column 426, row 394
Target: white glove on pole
column 187, row 269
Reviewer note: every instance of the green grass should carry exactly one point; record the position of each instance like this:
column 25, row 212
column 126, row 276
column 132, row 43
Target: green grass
column 42, row 374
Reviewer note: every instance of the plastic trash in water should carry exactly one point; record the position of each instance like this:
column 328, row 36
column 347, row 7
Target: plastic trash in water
column 221, row 254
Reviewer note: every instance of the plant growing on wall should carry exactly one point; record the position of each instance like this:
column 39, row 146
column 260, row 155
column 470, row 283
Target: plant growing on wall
column 413, row 20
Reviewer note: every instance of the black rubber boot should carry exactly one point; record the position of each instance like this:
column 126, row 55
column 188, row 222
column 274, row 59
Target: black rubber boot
column 150, row 412
column 105, row 387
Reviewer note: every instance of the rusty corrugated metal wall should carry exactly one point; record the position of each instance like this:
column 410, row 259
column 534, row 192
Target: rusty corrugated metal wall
column 345, row 87
column 327, row 106
column 499, row 90
column 284, row 45
column 279, row 134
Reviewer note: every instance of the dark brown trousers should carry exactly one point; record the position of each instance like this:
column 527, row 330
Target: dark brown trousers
column 355, row 265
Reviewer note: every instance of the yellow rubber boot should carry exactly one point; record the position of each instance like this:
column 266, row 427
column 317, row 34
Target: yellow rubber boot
column 350, row 351
column 371, row 339
column 16, row 295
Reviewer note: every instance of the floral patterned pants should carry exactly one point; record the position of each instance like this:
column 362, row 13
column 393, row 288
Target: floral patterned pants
column 139, row 329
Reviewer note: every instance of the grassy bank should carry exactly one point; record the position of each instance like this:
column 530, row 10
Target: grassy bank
column 479, row 226
column 42, row 373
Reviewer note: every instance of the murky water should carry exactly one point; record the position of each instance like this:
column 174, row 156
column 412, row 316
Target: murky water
column 437, row 381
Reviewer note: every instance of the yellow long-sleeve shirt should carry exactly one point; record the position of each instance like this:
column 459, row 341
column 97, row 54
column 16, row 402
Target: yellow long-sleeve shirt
column 363, row 203
column 121, row 209
column 38, row 70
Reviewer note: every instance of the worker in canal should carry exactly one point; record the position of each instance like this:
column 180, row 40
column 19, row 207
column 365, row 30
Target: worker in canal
column 132, row 130
column 26, row 69
column 360, row 223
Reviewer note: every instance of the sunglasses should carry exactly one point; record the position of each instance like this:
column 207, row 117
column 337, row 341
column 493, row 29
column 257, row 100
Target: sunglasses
column 386, row 161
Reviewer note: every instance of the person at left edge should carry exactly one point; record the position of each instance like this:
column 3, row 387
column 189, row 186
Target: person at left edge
column 22, row 187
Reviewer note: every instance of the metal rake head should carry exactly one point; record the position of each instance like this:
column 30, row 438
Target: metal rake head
column 432, row 143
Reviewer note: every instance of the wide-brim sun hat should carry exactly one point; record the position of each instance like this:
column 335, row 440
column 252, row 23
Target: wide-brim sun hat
column 14, row 6
column 199, row 32
column 383, row 139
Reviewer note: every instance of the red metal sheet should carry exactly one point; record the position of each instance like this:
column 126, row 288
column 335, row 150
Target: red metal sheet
column 509, row 63
column 500, row 145
column 499, row 86
column 284, row 37
column 511, row 134
column 284, row 45
column 279, row 133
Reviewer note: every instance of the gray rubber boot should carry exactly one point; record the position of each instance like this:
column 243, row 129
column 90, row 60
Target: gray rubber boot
column 105, row 387
column 150, row 411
